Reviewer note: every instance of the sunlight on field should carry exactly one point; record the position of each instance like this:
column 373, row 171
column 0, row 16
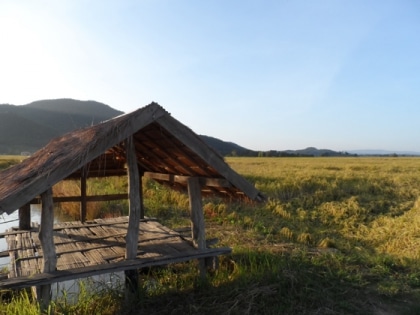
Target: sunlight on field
column 283, row 167
column 10, row 160
column 11, row 157
column 372, row 202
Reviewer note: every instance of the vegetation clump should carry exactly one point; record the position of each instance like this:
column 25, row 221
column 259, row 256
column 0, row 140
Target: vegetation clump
column 9, row 160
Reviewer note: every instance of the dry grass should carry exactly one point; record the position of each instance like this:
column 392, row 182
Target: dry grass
column 95, row 186
column 337, row 236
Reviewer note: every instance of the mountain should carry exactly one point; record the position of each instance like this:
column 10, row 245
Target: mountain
column 232, row 149
column 308, row 152
column 226, row 148
column 311, row 151
column 29, row 127
column 384, row 152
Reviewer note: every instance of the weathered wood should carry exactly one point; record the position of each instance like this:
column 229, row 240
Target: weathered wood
column 74, row 250
column 134, row 200
column 204, row 181
column 83, row 200
column 100, row 173
column 119, row 129
column 196, row 212
column 25, row 217
column 47, row 244
column 210, row 156
column 134, row 212
column 94, row 223
column 110, row 197
column 13, row 259
column 63, row 275
column 170, row 150
column 13, row 231
column 97, row 244
column 142, row 214
column 46, row 232
column 75, row 225
column 197, row 219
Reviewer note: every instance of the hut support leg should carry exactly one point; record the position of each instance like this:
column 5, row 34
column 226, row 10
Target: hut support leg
column 197, row 219
column 25, row 217
column 141, row 195
column 83, row 203
column 47, row 245
column 131, row 276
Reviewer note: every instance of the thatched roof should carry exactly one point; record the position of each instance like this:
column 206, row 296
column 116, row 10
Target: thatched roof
column 167, row 151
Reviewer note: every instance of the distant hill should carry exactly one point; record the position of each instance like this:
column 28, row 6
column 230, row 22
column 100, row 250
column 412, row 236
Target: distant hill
column 27, row 128
column 30, row 127
column 384, row 152
column 232, row 149
column 311, row 151
column 226, row 148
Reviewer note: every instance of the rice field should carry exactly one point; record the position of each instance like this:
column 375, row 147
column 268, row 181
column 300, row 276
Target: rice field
column 335, row 236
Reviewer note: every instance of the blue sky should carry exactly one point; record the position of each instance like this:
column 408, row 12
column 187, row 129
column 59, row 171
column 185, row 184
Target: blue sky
column 278, row 75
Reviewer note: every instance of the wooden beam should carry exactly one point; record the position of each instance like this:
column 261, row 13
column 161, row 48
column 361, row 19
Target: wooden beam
column 196, row 211
column 204, row 181
column 154, row 155
column 134, row 201
column 88, row 198
column 75, row 226
column 47, row 244
column 25, row 217
column 141, row 195
column 63, row 275
column 99, row 173
column 121, row 152
column 210, row 156
column 112, row 133
column 134, row 214
column 168, row 151
column 197, row 219
column 83, row 200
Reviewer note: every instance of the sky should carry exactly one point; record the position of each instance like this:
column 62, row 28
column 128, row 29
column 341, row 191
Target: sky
column 267, row 75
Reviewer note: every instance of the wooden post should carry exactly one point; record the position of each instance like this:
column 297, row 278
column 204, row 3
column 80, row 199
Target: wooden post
column 83, row 203
column 141, row 195
column 47, row 245
column 197, row 219
column 131, row 276
column 25, row 217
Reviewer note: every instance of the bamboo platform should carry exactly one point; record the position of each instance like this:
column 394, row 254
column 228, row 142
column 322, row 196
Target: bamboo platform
column 95, row 247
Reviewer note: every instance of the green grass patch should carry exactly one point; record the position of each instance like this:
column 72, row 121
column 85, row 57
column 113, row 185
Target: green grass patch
column 9, row 160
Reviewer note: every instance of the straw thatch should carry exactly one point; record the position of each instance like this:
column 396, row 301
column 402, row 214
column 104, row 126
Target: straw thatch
column 166, row 151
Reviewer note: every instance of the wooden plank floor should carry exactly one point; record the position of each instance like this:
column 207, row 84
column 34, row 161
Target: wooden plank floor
column 97, row 245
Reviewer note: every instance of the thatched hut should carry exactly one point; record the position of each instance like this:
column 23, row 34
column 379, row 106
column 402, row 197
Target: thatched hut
column 147, row 142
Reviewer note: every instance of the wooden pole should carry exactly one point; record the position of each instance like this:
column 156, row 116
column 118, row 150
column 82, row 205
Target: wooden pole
column 25, row 217
column 197, row 219
column 47, row 245
column 83, row 202
column 131, row 276
column 141, row 194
